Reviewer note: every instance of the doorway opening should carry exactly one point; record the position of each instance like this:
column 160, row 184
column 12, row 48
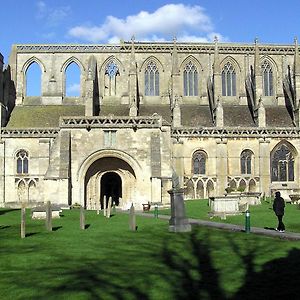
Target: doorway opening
column 111, row 186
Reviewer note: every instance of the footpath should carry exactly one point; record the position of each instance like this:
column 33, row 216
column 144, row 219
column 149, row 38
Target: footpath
column 231, row 227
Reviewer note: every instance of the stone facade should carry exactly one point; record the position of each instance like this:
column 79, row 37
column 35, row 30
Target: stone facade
column 218, row 114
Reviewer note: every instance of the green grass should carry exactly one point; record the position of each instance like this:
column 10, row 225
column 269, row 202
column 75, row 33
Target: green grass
column 260, row 215
column 107, row 261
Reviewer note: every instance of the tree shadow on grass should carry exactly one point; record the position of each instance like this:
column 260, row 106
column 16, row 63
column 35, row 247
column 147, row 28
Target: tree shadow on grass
column 5, row 211
column 56, row 228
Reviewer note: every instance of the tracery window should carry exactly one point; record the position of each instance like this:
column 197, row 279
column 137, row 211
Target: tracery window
column 246, row 161
column 199, row 162
column 228, row 80
column 111, row 73
column 267, row 79
column 190, row 80
column 282, row 164
column 22, row 162
column 151, row 80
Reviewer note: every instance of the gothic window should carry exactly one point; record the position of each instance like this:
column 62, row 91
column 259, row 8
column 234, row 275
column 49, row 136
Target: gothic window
column 151, row 80
column 22, row 162
column 110, row 138
column 190, row 80
column 267, row 79
column 228, row 80
column 72, row 77
column 282, row 164
column 33, row 80
column 199, row 162
column 111, row 73
column 246, row 157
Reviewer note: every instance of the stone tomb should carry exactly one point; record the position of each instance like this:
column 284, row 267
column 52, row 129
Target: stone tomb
column 39, row 212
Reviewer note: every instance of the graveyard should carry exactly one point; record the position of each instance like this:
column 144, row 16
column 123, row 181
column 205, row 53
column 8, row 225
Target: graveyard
column 105, row 259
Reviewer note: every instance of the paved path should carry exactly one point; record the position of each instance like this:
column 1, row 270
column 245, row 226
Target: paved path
column 231, row 227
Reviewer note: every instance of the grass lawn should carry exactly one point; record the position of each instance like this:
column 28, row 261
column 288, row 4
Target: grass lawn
column 260, row 215
column 107, row 261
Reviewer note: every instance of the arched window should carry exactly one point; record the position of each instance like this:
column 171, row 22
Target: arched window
column 199, row 162
column 72, row 75
column 246, row 161
column 22, row 162
column 267, row 79
column 111, row 73
column 282, row 164
column 228, row 80
column 151, row 80
column 33, row 80
column 190, row 80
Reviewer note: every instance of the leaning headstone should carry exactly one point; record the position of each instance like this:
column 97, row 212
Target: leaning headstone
column 82, row 218
column 178, row 221
column 108, row 211
column 48, row 216
column 105, row 205
column 132, row 220
column 23, row 221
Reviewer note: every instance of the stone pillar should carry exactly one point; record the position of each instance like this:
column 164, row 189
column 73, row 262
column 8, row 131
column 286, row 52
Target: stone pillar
column 178, row 161
column 217, row 80
column 23, row 221
column 257, row 73
column 175, row 91
column 219, row 114
column 132, row 219
column 133, row 95
column 155, row 189
column 48, row 216
column 176, row 114
column 222, row 166
column 261, row 114
column 264, row 165
column 178, row 221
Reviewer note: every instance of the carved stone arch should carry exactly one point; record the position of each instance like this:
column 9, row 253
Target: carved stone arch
column 288, row 144
column 198, row 154
column 117, row 62
column 271, row 61
column 210, row 188
column 149, row 59
column 252, row 185
column 19, row 150
column 194, row 60
column 233, row 183
column 274, row 74
column 200, row 189
column 233, row 62
column 70, row 60
column 32, row 60
column 243, row 184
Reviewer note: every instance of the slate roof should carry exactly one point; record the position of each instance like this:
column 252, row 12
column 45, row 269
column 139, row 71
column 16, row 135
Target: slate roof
column 196, row 116
column 162, row 110
column 278, row 116
column 116, row 110
column 42, row 115
column 237, row 116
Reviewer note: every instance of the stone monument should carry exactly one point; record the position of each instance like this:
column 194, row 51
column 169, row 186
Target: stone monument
column 178, row 221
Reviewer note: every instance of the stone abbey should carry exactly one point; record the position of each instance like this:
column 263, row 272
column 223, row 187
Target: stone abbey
column 216, row 114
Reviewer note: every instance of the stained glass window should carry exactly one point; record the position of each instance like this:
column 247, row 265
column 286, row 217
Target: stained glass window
column 22, row 162
column 267, row 79
column 190, row 80
column 246, row 157
column 151, row 80
column 282, row 164
column 199, row 162
column 228, row 80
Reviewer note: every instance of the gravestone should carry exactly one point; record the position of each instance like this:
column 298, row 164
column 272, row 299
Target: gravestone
column 23, row 221
column 105, row 205
column 132, row 219
column 178, row 221
column 82, row 218
column 108, row 210
column 48, row 216
column 98, row 207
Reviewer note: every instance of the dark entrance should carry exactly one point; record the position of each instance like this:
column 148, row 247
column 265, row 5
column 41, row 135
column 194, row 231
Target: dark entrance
column 111, row 186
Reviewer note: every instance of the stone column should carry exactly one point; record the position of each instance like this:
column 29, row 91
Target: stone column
column 222, row 165
column 264, row 165
column 178, row 221
column 155, row 189
column 48, row 216
column 178, row 161
column 23, row 221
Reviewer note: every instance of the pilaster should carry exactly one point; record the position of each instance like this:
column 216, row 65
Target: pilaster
column 264, row 165
column 217, row 81
column 176, row 114
column 222, row 165
column 133, row 95
column 175, row 76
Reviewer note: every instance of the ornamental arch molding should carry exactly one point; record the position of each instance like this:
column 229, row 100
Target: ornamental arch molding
column 155, row 60
column 233, row 62
column 30, row 61
column 115, row 60
column 70, row 60
column 194, row 61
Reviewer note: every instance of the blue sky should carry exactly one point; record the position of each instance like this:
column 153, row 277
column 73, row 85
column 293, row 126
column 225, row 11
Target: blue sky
column 95, row 21
column 92, row 21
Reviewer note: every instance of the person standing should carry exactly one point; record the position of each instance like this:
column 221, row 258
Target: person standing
column 278, row 207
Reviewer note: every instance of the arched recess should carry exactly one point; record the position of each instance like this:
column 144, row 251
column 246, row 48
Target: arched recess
column 235, row 78
column 232, row 184
column 32, row 191
column 110, row 72
column 283, row 162
column 189, row 190
column 63, row 69
column 242, row 185
column 32, row 71
column 100, row 162
column 252, row 185
column 72, row 80
column 210, row 188
column 200, row 190
column 22, row 191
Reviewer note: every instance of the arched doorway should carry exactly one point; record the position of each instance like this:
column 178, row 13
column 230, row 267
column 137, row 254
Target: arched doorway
column 111, row 186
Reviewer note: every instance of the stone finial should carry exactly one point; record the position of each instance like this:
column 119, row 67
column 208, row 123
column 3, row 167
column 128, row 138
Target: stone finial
column 256, row 41
column 296, row 41
column 216, row 39
column 132, row 39
column 174, row 39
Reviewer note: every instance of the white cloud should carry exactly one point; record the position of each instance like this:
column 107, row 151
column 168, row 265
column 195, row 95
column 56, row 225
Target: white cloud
column 73, row 89
column 172, row 19
column 52, row 16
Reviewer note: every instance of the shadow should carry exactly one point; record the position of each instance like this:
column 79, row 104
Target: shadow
column 270, row 228
column 56, row 228
column 31, row 234
column 5, row 211
column 87, row 226
column 4, row 227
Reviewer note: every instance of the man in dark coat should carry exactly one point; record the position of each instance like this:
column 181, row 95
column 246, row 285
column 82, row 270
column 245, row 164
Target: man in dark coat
column 278, row 207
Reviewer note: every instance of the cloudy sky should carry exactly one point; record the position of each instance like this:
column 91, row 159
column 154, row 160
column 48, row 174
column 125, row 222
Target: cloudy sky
column 96, row 21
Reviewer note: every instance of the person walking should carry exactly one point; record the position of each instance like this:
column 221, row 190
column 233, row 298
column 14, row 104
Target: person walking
column 278, row 207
